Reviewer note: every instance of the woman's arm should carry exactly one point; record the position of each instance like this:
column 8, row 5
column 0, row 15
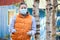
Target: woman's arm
column 33, row 31
column 12, row 21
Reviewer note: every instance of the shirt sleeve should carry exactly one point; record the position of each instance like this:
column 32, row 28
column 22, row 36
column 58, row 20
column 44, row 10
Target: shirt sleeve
column 33, row 31
column 33, row 26
column 12, row 21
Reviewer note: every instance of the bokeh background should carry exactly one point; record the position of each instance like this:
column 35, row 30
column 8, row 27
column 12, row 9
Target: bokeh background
column 7, row 11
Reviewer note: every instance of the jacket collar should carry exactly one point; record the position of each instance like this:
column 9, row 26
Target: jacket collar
column 20, row 15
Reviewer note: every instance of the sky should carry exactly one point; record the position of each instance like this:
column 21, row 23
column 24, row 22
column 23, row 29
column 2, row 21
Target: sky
column 42, row 4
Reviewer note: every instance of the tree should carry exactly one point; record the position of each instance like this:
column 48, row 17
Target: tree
column 36, row 15
column 51, row 19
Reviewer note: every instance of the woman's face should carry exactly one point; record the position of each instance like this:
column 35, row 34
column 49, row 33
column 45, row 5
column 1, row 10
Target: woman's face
column 23, row 9
column 23, row 6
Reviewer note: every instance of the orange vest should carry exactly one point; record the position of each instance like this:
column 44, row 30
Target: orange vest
column 22, row 26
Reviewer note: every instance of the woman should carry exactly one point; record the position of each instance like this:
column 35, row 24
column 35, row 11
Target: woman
column 23, row 25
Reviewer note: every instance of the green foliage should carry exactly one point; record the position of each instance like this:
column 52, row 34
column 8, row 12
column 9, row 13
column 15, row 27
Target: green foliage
column 54, row 35
column 7, row 36
column 16, row 4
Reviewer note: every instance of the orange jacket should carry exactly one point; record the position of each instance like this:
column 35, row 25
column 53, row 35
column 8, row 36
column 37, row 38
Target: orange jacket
column 22, row 26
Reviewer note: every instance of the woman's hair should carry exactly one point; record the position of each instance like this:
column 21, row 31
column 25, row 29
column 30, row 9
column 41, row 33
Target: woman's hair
column 22, row 4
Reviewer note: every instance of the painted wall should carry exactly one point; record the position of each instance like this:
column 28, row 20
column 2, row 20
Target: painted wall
column 4, row 28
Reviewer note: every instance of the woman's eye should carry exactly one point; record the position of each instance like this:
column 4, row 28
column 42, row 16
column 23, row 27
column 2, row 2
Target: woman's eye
column 24, row 7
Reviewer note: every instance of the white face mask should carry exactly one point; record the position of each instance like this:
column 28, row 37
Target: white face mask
column 23, row 11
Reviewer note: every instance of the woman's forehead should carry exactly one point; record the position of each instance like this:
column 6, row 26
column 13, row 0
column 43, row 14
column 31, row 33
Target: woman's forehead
column 23, row 5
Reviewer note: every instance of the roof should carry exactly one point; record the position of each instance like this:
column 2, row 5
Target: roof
column 9, row 2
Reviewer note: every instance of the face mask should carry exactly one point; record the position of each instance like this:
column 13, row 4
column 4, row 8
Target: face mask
column 23, row 11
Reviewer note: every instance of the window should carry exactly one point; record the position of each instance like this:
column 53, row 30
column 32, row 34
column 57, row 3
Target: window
column 11, row 13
